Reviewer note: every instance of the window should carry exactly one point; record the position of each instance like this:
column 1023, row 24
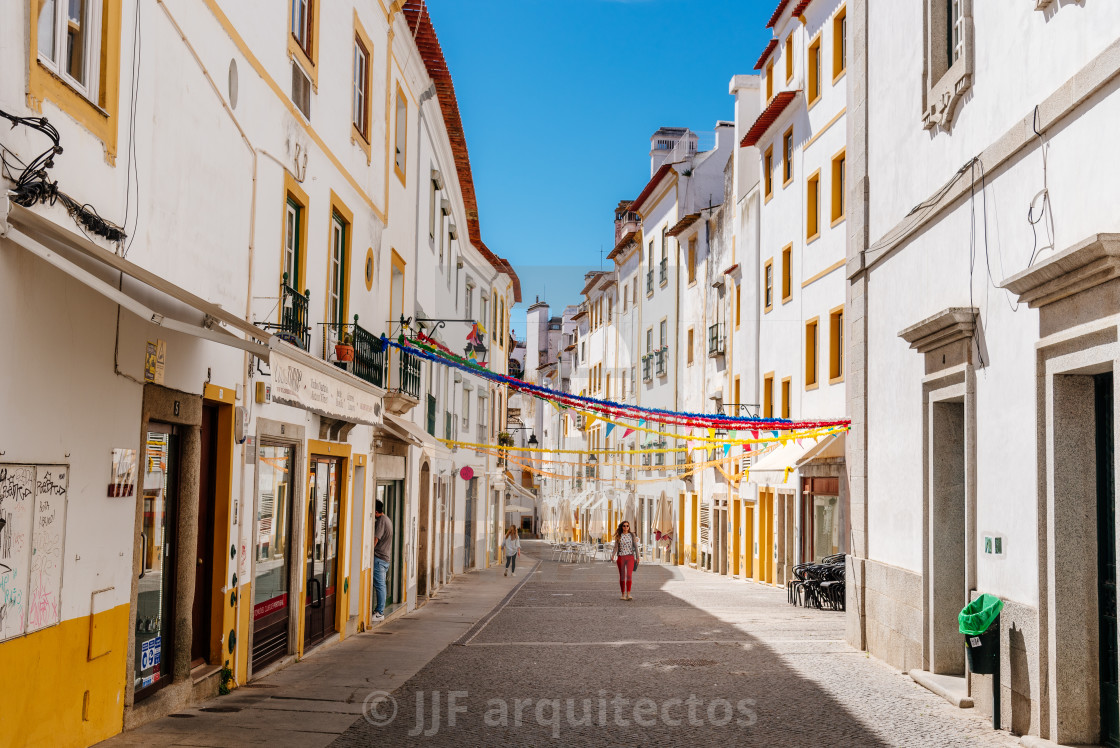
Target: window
column 483, row 307
column 361, row 88
column 607, row 392
column 433, row 197
column 690, row 344
column 302, row 24
column 692, row 260
column 293, row 223
column 836, row 345
column 768, row 172
column 500, row 323
column 768, row 286
column 840, row 42
column 401, row 135
column 293, row 250
column 336, row 294
column 768, row 395
column 788, row 54
column 738, row 305
column 69, row 36
column 838, row 187
column 787, row 157
column 785, row 397
column 770, row 81
column 664, row 333
column 813, row 85
column 955, row 37
column 813, row 206
column 787, row 273
column 74, row 61
column 811, row 339
column 649, row 340
column 469, row 300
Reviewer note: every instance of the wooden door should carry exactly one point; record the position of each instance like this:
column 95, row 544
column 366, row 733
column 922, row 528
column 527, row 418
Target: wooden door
column 204, row 561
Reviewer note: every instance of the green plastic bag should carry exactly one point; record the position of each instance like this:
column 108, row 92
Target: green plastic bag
column 978, row 615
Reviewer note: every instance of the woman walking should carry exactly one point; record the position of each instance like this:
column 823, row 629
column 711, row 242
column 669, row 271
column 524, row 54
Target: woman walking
column 511, row 546
column 625, row 553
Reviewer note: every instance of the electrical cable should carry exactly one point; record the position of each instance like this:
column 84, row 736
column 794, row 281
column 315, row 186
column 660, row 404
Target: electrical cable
column 34, row 186
column 131, row 170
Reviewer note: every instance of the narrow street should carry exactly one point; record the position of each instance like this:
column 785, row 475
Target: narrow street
column 553, row 653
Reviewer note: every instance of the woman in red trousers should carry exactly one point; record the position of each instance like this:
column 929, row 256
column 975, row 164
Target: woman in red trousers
column 626, row 555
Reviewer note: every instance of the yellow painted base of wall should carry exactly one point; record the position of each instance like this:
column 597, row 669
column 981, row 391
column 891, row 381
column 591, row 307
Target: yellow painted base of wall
column 46, row 676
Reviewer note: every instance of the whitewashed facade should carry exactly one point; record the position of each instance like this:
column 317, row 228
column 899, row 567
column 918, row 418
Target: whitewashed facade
column 982, row 297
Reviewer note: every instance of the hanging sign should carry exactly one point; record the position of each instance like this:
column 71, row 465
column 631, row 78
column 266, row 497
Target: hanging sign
column 301, row 384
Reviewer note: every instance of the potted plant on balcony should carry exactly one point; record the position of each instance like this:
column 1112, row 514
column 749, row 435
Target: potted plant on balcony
column 344, row 348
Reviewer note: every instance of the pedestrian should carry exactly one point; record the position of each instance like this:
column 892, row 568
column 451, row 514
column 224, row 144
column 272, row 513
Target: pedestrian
column 625, row 553
column 382, row 546
column 511, row 546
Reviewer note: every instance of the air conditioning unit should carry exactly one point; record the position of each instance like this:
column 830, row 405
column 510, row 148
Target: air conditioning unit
column 301, row 90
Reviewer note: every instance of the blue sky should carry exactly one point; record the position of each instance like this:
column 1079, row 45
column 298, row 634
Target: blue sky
column 559, row 99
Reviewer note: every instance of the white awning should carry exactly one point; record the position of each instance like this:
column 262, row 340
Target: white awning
column 524, row 494
column 774, row 467
column 409, row 432
column 86, row 262
column 828, row 448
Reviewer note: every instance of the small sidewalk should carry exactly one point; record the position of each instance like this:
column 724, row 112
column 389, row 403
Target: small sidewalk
column 312, row 702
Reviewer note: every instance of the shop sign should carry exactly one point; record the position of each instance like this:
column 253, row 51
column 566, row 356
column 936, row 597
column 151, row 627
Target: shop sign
column 305, row 386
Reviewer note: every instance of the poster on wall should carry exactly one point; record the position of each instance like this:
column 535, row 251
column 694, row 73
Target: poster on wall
column 122, row 476
column 32, row 533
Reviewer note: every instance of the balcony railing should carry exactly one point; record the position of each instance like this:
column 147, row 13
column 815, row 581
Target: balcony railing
column 647, row 367
column 663, row 276
column 716, row 339
column 649, row 282
column 369, row 356
column 293, row 325
column 662, row 356
column 410, row 374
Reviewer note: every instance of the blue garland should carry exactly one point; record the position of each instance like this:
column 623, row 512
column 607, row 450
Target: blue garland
column 749, row 423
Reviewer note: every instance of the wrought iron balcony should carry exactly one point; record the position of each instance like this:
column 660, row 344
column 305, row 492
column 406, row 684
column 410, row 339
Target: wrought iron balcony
column 293, row 326
column 410, row 374
column 647, row 367
column 716, row 339
column 663, row 276
column 649, row 282
column 369, row 356
column 662, row 356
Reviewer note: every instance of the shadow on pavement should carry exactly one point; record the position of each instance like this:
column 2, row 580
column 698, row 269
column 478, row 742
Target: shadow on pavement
column 564, row 660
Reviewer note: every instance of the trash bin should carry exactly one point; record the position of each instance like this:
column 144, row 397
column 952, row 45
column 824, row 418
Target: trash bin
column 979, row 622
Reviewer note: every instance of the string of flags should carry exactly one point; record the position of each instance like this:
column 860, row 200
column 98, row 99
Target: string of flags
column 762, row 430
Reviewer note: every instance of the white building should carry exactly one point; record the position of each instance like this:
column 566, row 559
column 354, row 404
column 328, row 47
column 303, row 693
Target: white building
column 180, row 404
column 983, row 302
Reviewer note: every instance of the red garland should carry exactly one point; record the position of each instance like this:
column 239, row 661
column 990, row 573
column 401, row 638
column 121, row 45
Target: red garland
column 633, row 413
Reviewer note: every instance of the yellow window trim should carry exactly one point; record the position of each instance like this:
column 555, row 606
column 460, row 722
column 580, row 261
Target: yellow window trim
column 840, row 154
column 837, row 71
column 787, row 51
column 769, row 264
column 815, row 323
column 768, row 402
column 293, row 191
column 768, row 177
column 397, row 135
column 787, row 182
column 824, row 129
column 830, row 269
column 832, row 313
column 347, row 216
column 43, row 85
column 788, row 248
column 786, row 406
column 814, row 177
column 362, row 139
column 297, row 53
column 259, row 69
column 814, row 42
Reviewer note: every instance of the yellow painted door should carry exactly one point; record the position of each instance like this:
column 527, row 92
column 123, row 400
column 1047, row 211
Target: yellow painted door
column 748, row 541
column 736, row 538
column 680, row 532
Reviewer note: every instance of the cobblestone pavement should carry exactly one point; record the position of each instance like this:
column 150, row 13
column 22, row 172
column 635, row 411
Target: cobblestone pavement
column 693, row 660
